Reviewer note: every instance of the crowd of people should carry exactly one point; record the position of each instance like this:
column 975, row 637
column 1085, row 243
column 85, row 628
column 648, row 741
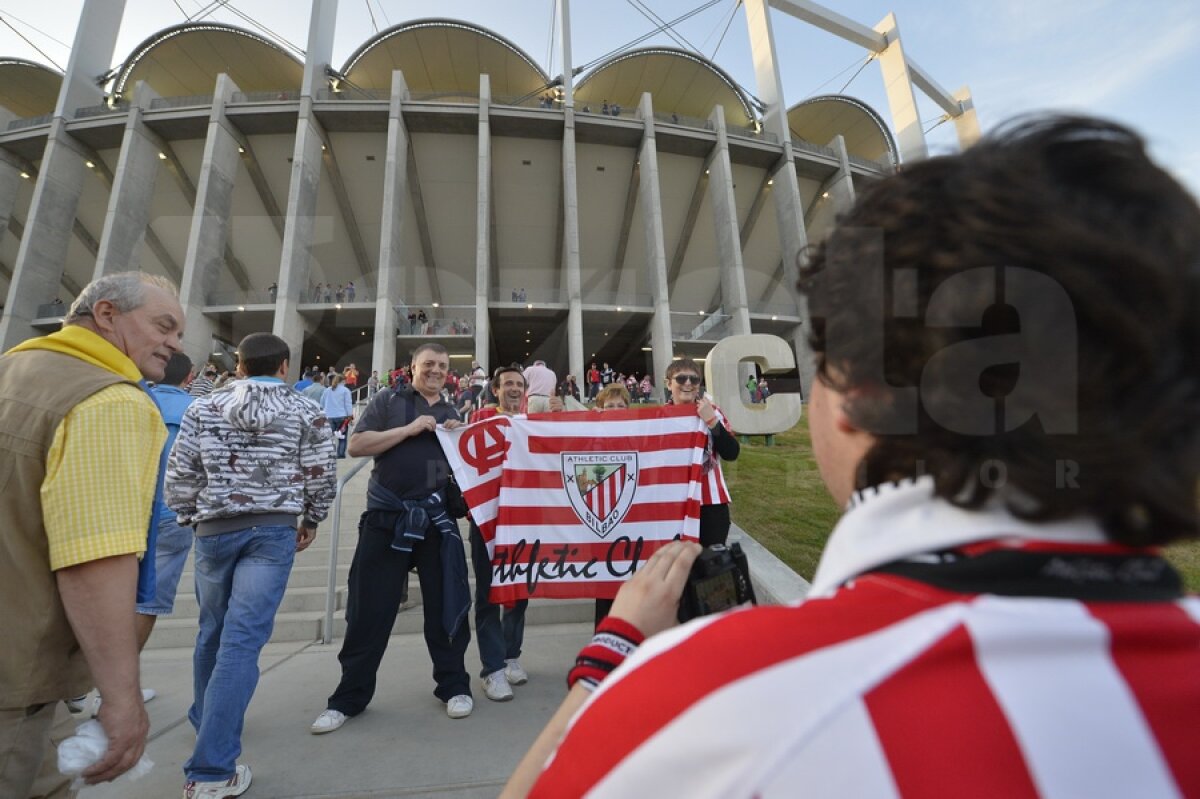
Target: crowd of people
column 419, row 324
column 992, row 615
column 328, row 292
column 599, row 378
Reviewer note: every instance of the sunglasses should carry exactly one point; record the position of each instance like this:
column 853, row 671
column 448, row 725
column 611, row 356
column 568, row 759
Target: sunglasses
column 683, row 380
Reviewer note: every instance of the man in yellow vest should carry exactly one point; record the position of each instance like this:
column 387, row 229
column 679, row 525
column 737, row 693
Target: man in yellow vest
column 79, row 450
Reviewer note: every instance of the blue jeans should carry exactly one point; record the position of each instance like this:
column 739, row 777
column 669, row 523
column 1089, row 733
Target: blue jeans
column 335, row 424
column 500, row 636
column 170, row 554
column 240, row 579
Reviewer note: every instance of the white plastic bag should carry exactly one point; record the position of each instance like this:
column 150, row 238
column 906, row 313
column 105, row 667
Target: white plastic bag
column 85, row 747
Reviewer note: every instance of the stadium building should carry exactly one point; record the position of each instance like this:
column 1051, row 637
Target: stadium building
column 626, row 211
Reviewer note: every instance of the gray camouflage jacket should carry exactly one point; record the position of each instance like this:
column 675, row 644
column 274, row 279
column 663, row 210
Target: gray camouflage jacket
column 253, row 446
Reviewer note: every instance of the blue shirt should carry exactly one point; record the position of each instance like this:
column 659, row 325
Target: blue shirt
column 336, row 402
column 172, row 401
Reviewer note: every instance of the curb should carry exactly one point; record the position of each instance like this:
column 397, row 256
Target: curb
column 774, row 581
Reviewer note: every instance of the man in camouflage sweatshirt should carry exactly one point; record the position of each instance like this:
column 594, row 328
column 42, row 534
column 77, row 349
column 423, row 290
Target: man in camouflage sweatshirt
column 253, row 470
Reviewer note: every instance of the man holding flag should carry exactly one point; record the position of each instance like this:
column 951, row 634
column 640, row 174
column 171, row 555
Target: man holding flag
column 405, row 523
column 500, row 635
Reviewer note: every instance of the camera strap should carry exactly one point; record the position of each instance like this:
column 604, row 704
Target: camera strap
column 1098, row 576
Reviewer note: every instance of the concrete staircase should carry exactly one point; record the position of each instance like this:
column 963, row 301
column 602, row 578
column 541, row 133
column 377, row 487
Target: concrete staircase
column 301, row 616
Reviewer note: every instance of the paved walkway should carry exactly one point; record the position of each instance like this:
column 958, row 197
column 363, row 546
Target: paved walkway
column 404, row 745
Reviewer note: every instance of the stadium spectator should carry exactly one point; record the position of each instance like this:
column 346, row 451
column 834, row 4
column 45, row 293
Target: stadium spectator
column 170, row 543
column 203, row 384
column 338, row 407
column 79, row 450
column 683, row 379
column 406, row 523
column 993, row 613
column 252, row 470
column 540, row 382
column 500, row 635
column 611, row 398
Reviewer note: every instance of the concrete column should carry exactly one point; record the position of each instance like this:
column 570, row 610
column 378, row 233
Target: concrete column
column 902, row 101
column 42, row 255
column 483, row 229
column 966, row 124
column 841, row 189
column 300, row 229
column 10, row 181
column 571, row 248
column 793, row 239
column 650, row 203
column 568, row 84
column 727, row 230
column 299, row 233
column 132, row 191
column 91, row 55
column 208, row 237
column 786, row 195
column 322, row 21
column 391, row 252
column 766, row 67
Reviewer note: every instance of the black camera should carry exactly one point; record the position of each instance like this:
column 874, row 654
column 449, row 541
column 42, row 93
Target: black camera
column 720, row 580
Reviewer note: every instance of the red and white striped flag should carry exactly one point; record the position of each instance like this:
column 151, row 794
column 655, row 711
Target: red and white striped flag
column 571, row 503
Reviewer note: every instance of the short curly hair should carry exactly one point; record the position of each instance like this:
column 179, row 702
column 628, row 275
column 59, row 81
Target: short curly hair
column 1045, row 281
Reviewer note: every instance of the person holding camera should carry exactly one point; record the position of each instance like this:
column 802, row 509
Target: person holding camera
column 1014, row 434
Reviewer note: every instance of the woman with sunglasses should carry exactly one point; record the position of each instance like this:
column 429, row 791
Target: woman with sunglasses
column 683, row 381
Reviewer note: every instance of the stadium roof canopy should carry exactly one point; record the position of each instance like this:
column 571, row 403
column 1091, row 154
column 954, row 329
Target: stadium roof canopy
column 680, row 82
column 28, row 89
column 444, row 56
column 819, row 119
column 184, row 60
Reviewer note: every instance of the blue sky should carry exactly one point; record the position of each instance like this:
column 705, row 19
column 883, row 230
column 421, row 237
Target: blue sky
column 1138, row 63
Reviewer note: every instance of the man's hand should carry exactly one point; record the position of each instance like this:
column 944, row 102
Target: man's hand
column 98, row 597
column 556, row 404
column 450, row 424
column 650, row 599
column 422, row 424
column 126, row 724
column 707, row 412
column 305, row 536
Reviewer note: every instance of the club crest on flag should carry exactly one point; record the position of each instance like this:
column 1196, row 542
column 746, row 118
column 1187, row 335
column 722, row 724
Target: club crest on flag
column 600, row 487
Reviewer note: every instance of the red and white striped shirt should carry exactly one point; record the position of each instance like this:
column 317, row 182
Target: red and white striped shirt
column 713, row 490
column 883, row 685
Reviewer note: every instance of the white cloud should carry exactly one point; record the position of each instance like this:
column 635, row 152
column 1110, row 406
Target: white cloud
column 1090, row 68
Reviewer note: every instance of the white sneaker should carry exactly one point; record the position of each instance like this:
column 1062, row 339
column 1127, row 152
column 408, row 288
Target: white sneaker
column 79, row 704
column 236, row 785
column 459, row 707
column 515, row 674
column 496, row 687
column 328, row 721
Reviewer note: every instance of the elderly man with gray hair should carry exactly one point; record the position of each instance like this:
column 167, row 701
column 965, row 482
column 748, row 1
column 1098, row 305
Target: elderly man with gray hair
column 79, row 448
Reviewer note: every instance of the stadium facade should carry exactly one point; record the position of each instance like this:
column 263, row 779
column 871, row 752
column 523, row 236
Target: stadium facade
column 643, row 208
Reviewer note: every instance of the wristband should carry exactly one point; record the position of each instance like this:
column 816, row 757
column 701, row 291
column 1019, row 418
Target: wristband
column 615, row 640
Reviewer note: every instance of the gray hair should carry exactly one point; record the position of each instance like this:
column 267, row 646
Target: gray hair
column 126, row 290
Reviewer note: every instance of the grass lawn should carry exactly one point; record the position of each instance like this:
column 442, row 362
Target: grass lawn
column 780, row 500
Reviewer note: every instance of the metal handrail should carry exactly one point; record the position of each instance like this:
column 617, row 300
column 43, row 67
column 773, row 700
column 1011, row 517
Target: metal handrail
column 331, row 587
